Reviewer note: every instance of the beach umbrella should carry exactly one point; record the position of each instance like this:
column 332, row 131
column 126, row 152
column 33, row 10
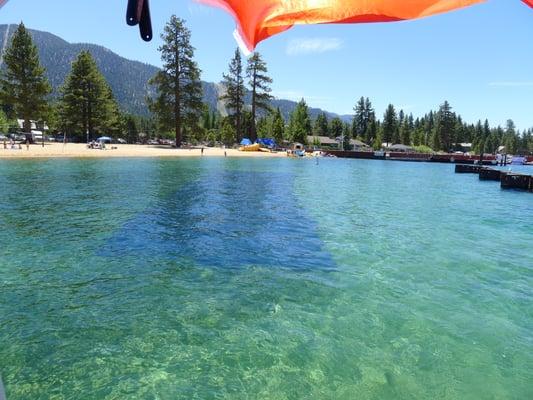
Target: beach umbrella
column 246, row 142
column 260, row 19
column 104, row 139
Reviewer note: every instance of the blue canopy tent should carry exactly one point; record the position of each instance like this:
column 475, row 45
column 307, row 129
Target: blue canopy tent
column 270, row 143
column 246, row 142
column 105, row 139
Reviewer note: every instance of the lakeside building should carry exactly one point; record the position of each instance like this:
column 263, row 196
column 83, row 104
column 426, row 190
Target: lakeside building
column 325, row 142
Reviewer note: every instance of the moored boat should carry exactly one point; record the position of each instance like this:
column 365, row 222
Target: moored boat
column 251, row 147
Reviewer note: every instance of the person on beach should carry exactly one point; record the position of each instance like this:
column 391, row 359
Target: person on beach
column 202, row 151
column 28, row 144
column 5, row 144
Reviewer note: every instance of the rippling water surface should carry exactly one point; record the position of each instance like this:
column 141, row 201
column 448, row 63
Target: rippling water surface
column 262, row 279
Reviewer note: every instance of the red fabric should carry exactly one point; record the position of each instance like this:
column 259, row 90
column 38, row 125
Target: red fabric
column 260, row 19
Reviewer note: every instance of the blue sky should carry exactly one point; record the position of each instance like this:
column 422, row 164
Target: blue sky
column 480, row 59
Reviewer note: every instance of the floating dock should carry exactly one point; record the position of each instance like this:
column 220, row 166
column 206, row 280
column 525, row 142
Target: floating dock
column 420, row 157
column 508, row 180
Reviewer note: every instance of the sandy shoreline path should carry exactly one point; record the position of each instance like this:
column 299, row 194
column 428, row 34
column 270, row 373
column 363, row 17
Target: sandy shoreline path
column 80, row 150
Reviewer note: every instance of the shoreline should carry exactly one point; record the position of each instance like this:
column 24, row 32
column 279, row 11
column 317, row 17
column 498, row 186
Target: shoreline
column 80, row 150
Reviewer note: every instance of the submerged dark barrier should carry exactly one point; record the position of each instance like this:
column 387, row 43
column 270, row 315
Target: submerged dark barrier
column 467, row 169
column 508, row 180
column 489, row 174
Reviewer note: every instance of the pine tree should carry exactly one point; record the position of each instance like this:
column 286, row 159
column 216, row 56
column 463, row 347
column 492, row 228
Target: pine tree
column 320, row 127
column 511, row 137
column 179, row 90
column 278, row 126
column 364, row 114
column 227, row 132
column 87, row 107
column 429, row 127
column 478, row 141
column 445, row 127
column 336, row 127
column 4, row 122
column 260, row 86
column 371, row 131
column 263, row 127
column 23, row 85
column 300, row 123
column 131, row 128
column 234, row 96
column 378, row 140
column 346, row 137
column 405, row 133
column 390, row 124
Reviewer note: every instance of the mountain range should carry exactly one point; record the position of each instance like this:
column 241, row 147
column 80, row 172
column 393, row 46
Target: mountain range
column 127, row 78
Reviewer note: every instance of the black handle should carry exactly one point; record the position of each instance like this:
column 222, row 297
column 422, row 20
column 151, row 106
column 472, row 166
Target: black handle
column 134, row 11
column 145, row 22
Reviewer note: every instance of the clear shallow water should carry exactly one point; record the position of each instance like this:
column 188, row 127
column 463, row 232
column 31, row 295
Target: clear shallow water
column 270, row 279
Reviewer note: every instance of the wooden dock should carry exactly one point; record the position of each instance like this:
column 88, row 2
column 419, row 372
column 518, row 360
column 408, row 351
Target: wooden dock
column 414, row 157
column 508, row 180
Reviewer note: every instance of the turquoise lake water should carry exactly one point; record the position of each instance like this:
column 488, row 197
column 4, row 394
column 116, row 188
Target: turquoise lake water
column 262, row 279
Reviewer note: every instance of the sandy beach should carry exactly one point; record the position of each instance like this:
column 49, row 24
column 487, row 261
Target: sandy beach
column 80, row 150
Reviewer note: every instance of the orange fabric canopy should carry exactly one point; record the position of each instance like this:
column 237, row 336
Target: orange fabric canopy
column 260, row 19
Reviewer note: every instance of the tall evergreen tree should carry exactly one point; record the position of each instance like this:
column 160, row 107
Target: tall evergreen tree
column 364, row 114
column 259, row 82
column 371, row 131
column 511, row 137
column 346, row 136
column 179, row 90
column 263, row 127
column 336, row 127
column 405, row 133
column 234, row 96
column 390, row 124
column 300, row 123
column 87, row 106
column 320, row 127
column 131, row 126
column 4, row 122
column 445, row 127
column 278, row 126
column 23, row 85
column 227, row 132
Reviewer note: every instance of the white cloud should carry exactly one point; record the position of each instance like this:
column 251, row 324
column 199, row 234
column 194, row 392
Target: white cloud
column 512, row 84
column 312, row 45
column 197, row 8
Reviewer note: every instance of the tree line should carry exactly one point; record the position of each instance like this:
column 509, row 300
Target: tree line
column 86, row 107
column 441, row 130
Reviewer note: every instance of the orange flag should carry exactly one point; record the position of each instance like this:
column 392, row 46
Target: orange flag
column 260, row 19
